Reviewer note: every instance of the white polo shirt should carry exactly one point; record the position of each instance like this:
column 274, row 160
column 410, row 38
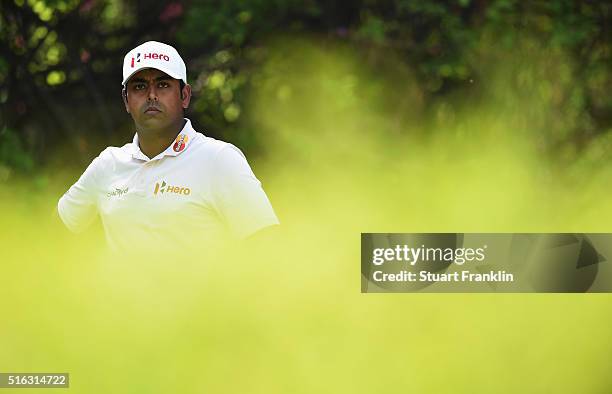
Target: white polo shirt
column 199, row 190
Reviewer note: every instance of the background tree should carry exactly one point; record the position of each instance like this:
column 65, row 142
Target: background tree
column 60, row 60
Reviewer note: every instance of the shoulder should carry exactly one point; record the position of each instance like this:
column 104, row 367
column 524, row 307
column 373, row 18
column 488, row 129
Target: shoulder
column 108, row 159
column 225, row 161
column 216, row 150
column 113, row 153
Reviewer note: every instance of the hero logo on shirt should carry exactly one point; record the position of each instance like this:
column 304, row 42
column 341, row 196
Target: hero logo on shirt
column 158, row 56
column 161, row 188
column 180, row 142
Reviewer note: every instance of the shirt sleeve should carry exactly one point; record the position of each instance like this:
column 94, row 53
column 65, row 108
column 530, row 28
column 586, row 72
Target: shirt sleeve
column 78, row 206
column 238, row 195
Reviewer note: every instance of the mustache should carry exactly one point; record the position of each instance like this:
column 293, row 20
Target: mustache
column 149, row 106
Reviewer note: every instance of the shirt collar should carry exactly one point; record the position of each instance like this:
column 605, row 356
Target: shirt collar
column 178, row 146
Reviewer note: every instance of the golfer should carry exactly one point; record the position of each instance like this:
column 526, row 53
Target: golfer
column 171, row 186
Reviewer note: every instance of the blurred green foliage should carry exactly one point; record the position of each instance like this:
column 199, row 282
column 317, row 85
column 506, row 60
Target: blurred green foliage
column 12, row 154
column 382, row 115
column 176, row 321
column 60, row 60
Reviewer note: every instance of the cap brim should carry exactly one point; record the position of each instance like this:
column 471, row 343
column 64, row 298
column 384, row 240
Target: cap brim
column 155, row 68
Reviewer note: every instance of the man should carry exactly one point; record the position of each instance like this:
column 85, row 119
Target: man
column 172, row 186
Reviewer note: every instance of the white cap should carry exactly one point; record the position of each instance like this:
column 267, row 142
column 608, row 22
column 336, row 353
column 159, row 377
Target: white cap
column 153, row 54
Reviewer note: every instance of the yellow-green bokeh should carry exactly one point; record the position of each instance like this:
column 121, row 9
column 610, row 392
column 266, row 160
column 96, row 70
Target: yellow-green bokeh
column 287, row 316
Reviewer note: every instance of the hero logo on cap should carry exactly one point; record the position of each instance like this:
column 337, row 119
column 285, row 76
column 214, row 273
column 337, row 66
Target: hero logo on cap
column 160, row 56
column 153, row 54
column 137, row 59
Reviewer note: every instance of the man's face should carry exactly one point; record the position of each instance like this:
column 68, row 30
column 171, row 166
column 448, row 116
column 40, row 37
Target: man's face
column 154, row 99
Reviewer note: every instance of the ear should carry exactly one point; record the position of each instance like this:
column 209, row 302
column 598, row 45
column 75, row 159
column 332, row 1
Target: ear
column 124, row 97
column 186, row 96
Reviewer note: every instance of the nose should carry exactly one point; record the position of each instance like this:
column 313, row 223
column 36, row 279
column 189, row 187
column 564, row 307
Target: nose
column 152, row 93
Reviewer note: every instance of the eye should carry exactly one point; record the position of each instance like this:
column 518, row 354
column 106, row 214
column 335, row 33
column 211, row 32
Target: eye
column 138, row 86
column 163, row 84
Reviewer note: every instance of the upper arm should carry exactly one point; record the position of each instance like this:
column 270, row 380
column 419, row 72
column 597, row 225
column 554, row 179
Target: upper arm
column 238, row 195
column 78, row 206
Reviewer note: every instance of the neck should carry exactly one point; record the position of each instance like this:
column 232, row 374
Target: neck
column 154, row 141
